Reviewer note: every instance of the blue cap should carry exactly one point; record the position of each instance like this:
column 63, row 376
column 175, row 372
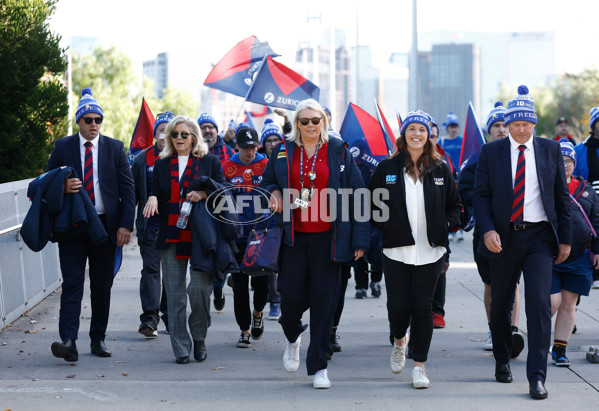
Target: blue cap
column 207, row 118
column 451, row 119
column 497, row 114
column 87, row 105
column 417, row 116
column 594, row 113
column 567, row 148
column 162, row 118
column 521, row 107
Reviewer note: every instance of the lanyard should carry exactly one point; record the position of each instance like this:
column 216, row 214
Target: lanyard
column 311, row 174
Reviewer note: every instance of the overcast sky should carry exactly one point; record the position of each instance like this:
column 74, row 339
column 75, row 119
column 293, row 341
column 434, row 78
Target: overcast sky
column 207, row 30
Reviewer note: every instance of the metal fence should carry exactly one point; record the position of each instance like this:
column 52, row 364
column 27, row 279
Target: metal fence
column 26, row 277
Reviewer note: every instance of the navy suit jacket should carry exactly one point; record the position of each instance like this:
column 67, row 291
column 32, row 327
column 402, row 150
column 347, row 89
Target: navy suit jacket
column 493, row 191
column 116, row 181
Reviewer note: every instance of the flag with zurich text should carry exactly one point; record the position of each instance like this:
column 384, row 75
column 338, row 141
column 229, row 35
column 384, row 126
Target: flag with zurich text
column 365, row 137
column 235, row 72
column 276, row 85
column 473, row 139
column 142, row 134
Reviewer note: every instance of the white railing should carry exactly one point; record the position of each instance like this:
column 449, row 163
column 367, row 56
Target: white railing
column 26, row 277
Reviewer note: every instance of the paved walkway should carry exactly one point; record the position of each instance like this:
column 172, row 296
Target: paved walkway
column 142, row 374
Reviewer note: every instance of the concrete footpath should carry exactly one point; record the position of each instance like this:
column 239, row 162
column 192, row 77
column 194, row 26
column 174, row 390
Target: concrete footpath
column 142, row 374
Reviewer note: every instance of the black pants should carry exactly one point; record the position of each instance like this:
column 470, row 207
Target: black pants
column 361, row 274
column 309, row 279
column 73, row 256
column 410, row 291
column 153, row 300
column 439, row 295
column 241, row 293
column 532, row 252
column 345, row 276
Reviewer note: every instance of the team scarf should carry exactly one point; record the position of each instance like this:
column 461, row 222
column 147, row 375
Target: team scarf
column 152, row 155
column 178, row 188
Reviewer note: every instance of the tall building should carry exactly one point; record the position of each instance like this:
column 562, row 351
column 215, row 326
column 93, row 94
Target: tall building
column 157, row 70
column 454, row 80
column 393, row 89
column 366, row 79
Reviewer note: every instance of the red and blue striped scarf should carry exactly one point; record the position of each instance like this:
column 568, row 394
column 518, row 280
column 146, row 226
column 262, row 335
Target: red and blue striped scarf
column 173, row 233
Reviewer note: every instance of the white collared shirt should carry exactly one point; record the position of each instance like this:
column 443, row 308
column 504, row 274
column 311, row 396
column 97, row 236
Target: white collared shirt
column 421, row 252
column 534, row 211
column 97, row 192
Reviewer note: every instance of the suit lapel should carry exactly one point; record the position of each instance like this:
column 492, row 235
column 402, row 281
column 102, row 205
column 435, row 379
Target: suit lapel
column 539, row 156
column 505, row 163
column 76, row 154
column 102, row 158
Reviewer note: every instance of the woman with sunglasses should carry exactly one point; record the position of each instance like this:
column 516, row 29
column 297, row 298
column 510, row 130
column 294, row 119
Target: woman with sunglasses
column 422, row 203
column 319, row 233
column 183, row 159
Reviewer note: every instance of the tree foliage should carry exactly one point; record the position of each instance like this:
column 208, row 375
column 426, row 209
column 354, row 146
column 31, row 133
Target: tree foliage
column 110, row 75
column 33, row 100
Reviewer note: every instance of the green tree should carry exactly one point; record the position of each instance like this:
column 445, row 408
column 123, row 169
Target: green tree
column 33, row 100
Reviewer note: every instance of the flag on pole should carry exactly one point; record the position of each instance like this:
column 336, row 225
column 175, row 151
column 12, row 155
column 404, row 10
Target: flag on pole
column 142, row 134
column 276, row 85
column 399, row 120
column 473, row 139
column 365, row 137
column 234, row 73
column 387, row 131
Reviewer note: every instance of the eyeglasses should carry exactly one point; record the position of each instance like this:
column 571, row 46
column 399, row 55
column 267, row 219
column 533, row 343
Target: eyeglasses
column 315, row 121
column 272, row 141
column 183, row 134
column 207, row 127
column 89, row 120
column 568, row 163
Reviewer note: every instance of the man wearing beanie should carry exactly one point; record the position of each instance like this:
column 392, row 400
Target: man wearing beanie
column 522, row 208
column 218, row 147
column 587, row 163
column 153, row 301
column 103, row 171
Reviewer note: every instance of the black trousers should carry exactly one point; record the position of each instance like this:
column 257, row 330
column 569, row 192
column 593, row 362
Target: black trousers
column 361, row 274
column 241, row 293
column 531, row 251
column 410, row 291
column 74, row 255
column 345, row 276
column 309, row 279
column 153, row 299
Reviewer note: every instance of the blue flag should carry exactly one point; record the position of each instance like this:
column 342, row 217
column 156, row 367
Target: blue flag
column 473, row 139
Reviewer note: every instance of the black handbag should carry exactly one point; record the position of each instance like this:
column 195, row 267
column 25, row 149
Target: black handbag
column 261, row 255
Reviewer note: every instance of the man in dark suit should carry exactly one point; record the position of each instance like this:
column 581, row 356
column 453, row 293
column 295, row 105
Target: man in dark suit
column 521, row 205
column 103, row 171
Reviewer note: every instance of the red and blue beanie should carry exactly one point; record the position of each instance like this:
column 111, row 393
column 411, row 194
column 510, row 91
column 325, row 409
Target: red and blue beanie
column 162, row 118
column 450, row 120
column 497, row 114
column 521, row 107
column 87, row 105
column 594, row 113
column 417, row 116
column 207, row 118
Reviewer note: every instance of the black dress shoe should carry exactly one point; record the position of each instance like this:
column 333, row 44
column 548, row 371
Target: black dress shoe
column 537, row 390
column 182, row 360
column 99, row 349
column 199, row 350
column 503, row 373
column 66, row 349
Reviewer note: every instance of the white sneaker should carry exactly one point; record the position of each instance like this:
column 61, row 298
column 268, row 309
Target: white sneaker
column 291, row 357
column 489, row 344
column 419, row 379
column 595, row 285
column 398, row 356
column 459, row 235
column 321, row 379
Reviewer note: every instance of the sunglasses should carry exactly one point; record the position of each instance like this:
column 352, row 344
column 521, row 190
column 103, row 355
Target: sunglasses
column 89, row 120
column 183, row 134
column 161, row 116
column 315, row 121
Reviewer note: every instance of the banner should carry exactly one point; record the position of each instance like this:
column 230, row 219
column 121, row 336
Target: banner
column 473, row 139
column 142, row 134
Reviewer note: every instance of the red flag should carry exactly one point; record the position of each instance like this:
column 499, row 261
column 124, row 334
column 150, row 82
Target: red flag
column 142, row 134
column 387, row 132
column 399, row 120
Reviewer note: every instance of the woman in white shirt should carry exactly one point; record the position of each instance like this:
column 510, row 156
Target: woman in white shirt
column 422, row 204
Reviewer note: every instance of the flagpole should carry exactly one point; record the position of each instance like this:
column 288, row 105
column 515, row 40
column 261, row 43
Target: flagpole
column 239, row 112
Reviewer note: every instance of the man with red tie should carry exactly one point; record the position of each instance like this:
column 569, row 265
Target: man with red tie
column 103, row 171
column 521, row 205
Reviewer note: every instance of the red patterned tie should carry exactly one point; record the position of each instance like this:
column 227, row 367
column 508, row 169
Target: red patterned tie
column 518, row 202
column 88, row 172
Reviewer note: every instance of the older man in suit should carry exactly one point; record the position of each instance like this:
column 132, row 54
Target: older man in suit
column 521, row 205
column 103, row 171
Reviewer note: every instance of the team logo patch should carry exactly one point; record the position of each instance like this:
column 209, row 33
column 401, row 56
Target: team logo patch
column 237, row 180
column 439, row 181
column 585, row 194
column 391, row 179
column 282, row 154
